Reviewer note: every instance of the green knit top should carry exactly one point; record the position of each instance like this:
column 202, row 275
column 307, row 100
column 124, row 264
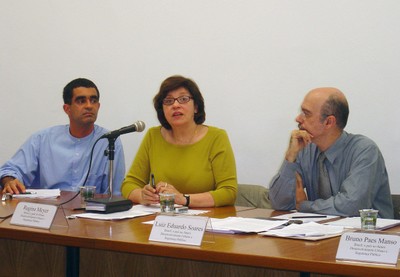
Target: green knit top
column 207, row 165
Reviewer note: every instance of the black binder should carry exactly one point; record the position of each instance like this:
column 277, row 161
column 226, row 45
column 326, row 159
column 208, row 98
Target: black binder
column 107, row 205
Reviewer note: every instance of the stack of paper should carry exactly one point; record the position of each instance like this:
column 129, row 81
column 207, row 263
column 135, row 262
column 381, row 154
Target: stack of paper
column 242, row 225
column 306, row 217
column 155, row 208
column 39, row 193
column 132, row 213
column 308, row 231
column 135, row 211
column 355, row 222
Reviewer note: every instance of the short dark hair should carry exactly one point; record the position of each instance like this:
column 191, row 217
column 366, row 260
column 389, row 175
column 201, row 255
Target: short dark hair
column 173, row 83
column 338, row 107
column 80, row 82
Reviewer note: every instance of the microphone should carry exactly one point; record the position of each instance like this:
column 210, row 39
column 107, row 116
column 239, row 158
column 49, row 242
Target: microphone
column 138, row 126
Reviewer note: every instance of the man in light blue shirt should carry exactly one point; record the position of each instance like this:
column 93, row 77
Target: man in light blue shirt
column 356, row 176
column 59, row 156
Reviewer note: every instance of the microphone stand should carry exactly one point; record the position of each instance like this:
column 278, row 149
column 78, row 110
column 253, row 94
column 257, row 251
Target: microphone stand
column 111, row 204
column 110, row 153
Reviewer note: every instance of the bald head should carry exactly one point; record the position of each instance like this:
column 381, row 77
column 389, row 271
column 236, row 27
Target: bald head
column 327, row 92
column 332, row 102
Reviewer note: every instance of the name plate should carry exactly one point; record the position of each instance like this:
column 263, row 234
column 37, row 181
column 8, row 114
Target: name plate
column 179, row 229
column 369, row 247
column 34, row 215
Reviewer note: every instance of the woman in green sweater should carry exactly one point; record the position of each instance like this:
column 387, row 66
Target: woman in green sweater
column 192, row 160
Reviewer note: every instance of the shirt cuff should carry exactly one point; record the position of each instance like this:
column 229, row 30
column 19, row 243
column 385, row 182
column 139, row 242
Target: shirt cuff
column 305, row 206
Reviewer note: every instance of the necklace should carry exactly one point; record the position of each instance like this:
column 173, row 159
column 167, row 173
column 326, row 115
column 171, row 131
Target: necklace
column 183, row 141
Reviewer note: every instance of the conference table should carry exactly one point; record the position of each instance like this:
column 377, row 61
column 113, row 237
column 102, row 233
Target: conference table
column 87, row 247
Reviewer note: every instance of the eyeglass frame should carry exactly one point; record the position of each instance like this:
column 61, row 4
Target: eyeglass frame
column 177, row 99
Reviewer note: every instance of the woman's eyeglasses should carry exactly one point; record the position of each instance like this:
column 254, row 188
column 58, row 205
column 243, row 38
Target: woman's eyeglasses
column 181, row 100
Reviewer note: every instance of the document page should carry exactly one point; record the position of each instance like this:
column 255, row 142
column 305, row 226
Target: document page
column 242, row 225
column 306, row 217
column 355, row 222
column 39, row 193
column 306, row 230
column 156, row 209
column 132, row 213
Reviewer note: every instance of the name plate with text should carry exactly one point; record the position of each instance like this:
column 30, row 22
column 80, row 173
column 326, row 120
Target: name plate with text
column 179, row 229
column 34, row 215
column 369, row 247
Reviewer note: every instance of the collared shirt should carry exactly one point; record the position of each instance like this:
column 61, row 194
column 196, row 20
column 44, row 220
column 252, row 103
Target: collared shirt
column 357, row 173
column 52, row 158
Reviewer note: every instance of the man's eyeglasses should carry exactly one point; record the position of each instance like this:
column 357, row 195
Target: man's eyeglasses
column 181, row 100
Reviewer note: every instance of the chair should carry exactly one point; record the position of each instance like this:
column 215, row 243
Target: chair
column 250, row 195
column 396, row 205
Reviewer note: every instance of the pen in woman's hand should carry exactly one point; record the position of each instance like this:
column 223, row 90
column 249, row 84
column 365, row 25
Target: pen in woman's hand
column 153, row 184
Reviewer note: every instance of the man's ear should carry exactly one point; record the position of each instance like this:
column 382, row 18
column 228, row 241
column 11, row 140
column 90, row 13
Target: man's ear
column 66, row 108
column 330, row 121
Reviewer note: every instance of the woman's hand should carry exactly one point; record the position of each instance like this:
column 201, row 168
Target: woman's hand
column 164, row 187
column 149, row 195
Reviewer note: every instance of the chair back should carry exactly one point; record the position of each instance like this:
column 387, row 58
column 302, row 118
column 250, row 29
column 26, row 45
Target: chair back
column 250, row 195
column 396, row 205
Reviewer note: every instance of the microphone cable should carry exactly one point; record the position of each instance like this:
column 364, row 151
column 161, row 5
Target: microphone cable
column 87, row 175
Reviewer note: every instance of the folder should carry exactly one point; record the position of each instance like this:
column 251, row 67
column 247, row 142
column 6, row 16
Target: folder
column 107, row 205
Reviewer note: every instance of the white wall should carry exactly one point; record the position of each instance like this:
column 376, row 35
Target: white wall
column 253, row 60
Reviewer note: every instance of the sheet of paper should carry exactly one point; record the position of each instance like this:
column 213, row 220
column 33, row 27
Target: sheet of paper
column 232, row 225
column 132, row 213
column 242, row 225
column 156, row 209
column 306, row 217
column 310, row 229
column 355, row 222
column 39, row 193
column 135, row 211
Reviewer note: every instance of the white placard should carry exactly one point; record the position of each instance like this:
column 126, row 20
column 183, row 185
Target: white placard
column 34, row 215
column 369, row 247
column 179, row 229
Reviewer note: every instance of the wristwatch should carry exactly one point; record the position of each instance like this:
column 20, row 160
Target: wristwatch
column 187, row 196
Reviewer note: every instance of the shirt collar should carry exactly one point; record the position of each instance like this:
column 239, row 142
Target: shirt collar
column 335, row 149
column 87, row 138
